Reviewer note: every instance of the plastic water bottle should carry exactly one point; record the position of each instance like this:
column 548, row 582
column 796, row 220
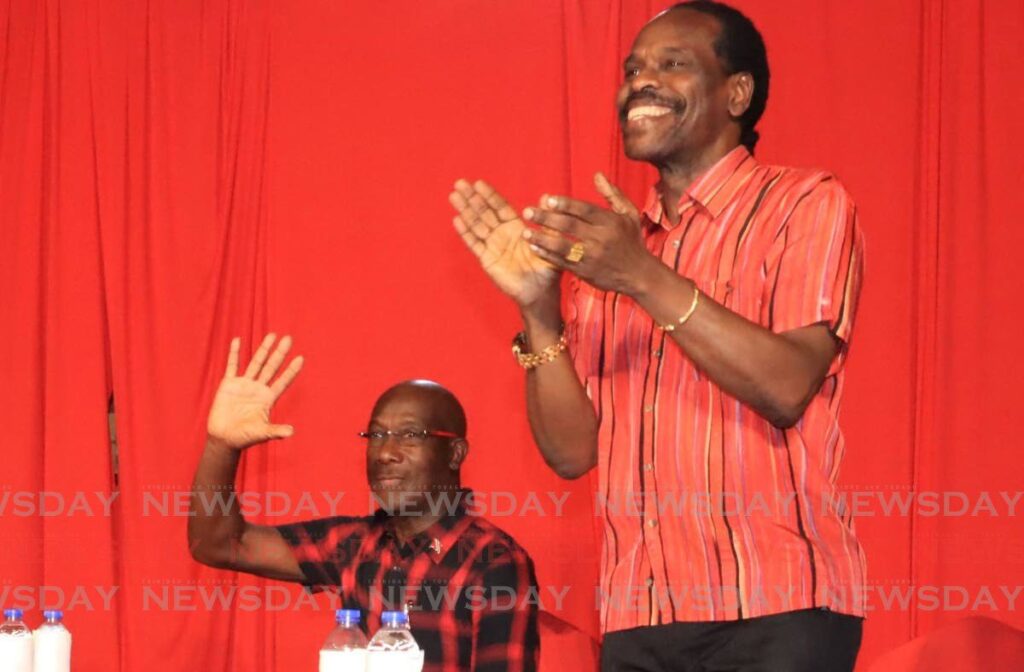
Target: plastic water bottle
column 393, row 648
column 345, row 648
column 15, row 643
column 52, row 644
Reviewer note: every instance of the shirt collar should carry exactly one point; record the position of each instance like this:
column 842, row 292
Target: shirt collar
column 440, row 537
column 713, row 190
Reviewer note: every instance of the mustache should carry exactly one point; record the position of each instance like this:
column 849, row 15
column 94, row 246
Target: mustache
column 648, row 98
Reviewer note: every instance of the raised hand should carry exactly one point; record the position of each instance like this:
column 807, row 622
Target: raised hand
column 240, row 413
column 493, row 231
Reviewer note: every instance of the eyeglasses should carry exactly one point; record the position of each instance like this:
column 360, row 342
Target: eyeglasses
column 404, row 437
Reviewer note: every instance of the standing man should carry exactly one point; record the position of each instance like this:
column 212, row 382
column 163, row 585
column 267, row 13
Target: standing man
column 707, row 336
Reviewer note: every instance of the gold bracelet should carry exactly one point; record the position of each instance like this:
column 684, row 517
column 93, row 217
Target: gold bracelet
column 682, row 320
column 531, row 360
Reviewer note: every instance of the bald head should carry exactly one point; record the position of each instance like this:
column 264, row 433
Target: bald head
column 441, row 409
column 414, row 460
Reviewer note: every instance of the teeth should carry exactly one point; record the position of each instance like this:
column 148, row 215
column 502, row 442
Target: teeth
column 643, row 111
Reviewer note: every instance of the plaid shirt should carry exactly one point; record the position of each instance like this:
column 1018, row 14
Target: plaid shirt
column 470, row 589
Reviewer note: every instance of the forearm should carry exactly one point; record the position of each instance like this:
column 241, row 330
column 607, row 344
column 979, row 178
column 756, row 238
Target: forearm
column 561, row 416
column 773, row 373
column 215, row 524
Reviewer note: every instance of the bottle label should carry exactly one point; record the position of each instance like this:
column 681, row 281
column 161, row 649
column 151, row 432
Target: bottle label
column 394, row 661
column 16, row 652
column 343, row 661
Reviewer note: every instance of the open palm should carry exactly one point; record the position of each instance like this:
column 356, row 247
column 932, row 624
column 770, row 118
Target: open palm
column 240, row 413
column 493, row 231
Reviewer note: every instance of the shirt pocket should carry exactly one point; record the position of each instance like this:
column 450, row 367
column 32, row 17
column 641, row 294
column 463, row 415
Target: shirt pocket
column 742, row 297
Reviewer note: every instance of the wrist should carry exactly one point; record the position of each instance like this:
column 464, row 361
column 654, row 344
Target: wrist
column 543, row 316
column 646, row 278
column 221, row 447
column 531, row 359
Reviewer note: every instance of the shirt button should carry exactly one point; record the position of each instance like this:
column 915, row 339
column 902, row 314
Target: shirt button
column 649, row 582
column 652, row 523
column 648, row 409
column 648, row 467
column 676, row 243
column 657, row 353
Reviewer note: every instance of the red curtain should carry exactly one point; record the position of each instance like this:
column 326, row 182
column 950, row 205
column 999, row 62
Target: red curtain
column 175, row 172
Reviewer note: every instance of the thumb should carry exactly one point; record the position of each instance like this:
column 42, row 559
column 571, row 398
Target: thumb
column 280, row 431
column 616, row 199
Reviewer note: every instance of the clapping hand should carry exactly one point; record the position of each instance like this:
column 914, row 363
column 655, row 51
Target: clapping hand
column 493, row 231
column 604, row 247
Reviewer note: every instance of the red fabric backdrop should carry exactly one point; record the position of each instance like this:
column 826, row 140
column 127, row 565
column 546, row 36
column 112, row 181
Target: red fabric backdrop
column 174, row 172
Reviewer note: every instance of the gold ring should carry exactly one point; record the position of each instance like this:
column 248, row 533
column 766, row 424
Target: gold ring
column 576, row 252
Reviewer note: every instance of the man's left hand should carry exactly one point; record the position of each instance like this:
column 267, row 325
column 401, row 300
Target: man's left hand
column 604, row 247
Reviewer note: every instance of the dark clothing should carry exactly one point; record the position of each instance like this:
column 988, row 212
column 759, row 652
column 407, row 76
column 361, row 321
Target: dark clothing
column 808, row 640
column 469, row 587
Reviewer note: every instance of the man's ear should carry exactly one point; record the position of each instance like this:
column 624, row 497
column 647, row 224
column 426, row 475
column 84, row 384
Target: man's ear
column 741, row 91
column 459, row 450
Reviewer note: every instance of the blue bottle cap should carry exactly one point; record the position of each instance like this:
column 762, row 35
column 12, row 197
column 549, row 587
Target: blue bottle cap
column 393, row 618
column 16, row 614
column 53, row 614
column 347, row 616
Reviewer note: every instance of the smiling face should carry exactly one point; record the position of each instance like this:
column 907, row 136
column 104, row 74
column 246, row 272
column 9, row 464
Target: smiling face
column 676, row 102
column 403, row 472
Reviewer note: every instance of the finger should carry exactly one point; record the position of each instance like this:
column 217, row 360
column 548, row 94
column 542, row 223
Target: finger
column 461, row 201
column 616, row 199
column 549, row 241
column 497, row 202
column 458, row 200
column 274, row 363
column 464, row 187
column 472, row 219
column 567, row 224
column 260, row 356
column 484, row 211
column 571, row 206
column 232, row 370
column 472, row 214
column 472, row 241
column 286, row 378
column 280, row 431
column 556, row 260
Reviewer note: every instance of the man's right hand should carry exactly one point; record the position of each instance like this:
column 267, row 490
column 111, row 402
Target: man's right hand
column 240, row 413
column 493, row 231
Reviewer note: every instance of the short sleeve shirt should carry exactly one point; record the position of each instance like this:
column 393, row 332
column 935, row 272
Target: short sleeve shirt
column 710, row 512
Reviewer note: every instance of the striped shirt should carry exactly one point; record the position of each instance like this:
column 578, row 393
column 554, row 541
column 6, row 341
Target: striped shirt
column 711, row 513
column 469, row 588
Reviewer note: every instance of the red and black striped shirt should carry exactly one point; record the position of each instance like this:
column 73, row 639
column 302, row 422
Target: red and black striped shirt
column 710, row 512
column 469, row 588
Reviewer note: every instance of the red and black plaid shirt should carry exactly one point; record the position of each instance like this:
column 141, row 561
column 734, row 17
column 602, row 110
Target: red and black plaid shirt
column 469, row 587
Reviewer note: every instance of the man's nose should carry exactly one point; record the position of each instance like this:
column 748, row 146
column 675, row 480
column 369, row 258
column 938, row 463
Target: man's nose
column 645, row 78
column 389, row 450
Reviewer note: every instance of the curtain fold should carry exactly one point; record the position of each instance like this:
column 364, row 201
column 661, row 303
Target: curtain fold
column 975, row 240
column 58, row 501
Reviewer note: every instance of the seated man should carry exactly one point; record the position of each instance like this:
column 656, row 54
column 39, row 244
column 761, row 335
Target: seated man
column 437, row 562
